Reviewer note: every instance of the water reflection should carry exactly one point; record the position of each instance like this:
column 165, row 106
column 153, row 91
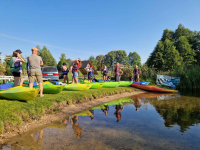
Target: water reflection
column 138, row 116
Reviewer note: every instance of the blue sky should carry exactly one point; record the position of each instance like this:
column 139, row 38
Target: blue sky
column 81, row 28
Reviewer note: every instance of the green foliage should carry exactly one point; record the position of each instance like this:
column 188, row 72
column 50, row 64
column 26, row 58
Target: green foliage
column 119, row 56
column 47, row 57
column 93, row 61
column 62, row 60
column 69, row 61
column 7, row 65
column 175, row 49
column 134, row 59
column 185, row 50
column 100, row 61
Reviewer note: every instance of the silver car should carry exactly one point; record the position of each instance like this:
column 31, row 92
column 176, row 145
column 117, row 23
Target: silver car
column 50, row 73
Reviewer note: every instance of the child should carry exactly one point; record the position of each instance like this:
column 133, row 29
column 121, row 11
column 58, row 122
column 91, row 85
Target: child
column 90, row 73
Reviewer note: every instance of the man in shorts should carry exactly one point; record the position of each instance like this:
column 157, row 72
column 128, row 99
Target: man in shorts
column 35, row 62
column 136, row 73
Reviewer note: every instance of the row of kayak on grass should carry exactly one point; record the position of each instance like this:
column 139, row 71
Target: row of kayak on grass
column 24, row 93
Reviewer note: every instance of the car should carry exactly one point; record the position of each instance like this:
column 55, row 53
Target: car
column 50, row 73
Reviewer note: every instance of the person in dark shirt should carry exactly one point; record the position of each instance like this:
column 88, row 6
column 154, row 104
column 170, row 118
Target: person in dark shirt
column 105, row 110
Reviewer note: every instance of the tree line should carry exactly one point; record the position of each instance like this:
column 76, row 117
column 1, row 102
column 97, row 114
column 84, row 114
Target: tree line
column 176, row 48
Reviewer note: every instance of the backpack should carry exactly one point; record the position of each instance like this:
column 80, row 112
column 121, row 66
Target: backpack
column 12, row 65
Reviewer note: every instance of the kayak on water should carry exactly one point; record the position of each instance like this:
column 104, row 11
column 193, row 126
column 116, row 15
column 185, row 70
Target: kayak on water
column 19, row 93
column 96, row 85
column 77, row 87
column 153, row 88
column 119, row 102
column 111, row 84
column 83, row 113
column 99, row 107
column 51, row 89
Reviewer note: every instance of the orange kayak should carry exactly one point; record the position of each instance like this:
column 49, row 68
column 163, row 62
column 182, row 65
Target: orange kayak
column 153, row 88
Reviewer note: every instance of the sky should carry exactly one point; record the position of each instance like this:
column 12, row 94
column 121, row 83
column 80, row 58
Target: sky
column 81, row 28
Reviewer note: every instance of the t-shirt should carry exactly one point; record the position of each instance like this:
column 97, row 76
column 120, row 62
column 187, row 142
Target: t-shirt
column 17, row 63
column 34, row 63
column 136, row 71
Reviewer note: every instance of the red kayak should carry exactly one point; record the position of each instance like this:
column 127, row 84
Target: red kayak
column 153, row 88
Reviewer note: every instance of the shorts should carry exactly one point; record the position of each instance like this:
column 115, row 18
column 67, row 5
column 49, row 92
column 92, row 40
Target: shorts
column 38, row 76
column 75, row 74
column 116, row 78
column 105, row 75
column 90, row 77
column 17, row 74
column 65, row 74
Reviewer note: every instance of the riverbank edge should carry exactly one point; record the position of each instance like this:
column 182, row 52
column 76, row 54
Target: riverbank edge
column 65, row 108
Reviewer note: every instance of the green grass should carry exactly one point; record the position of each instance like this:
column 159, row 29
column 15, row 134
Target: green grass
column 14, row 113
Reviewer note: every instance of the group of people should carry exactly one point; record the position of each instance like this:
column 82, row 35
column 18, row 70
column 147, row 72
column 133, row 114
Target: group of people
column 34, row 63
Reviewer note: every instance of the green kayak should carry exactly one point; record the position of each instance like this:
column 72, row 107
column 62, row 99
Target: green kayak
column 119, row 102
column 19, row 93
column 83, row 113
column 125, row 83
column 51, row 89
column 111, row 84
column 95, row 85
column 99, row 107
column 77, row 87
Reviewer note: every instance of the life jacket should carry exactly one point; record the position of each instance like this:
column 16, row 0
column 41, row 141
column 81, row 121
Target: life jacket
column 63, row 71
column 12, row 65
column 75, row 67
column 116, row 69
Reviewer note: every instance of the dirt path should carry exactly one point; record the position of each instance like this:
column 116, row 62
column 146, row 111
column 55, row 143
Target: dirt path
column 65, row 111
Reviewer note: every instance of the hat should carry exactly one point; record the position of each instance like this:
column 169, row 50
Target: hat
column 91, row 66
column 64, row 63
column 18, row 51
column 34, row 49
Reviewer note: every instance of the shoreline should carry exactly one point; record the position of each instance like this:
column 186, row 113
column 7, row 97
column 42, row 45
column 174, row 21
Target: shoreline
column 63, row 109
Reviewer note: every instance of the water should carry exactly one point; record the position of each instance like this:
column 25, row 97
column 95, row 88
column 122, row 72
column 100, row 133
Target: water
column 152, row 121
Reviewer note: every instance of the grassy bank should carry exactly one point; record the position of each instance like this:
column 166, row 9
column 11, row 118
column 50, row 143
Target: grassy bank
column 14, row 113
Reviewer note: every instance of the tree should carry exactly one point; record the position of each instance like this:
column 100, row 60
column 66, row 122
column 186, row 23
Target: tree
column 182, row 31
column 47, row 57
column 186, row 51
column 69, row 61
column 116, row 56
column 7, row 65
column 93, row 61
column 100, row 61
column 168, row 34
column 134, row 59
column 62, row 60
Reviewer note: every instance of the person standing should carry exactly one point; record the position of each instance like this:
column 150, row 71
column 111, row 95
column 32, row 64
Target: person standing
column 16, row 67
column 35, row 62
column 136, row 73
column 121, row 72
column 105, row 72
column 76, row 65
column 117, row 72
column 90, row 73
column 65, row 71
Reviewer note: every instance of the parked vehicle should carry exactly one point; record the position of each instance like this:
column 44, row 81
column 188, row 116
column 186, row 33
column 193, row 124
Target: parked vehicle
column 50, row 73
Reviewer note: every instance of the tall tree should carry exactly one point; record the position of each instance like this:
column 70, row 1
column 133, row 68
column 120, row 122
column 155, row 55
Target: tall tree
column 61, row 61
column 134, row 59
column 168, row 34
column 100, row 61
column 93, row 61
column 182, row 31
column 69, row 61
column 186, row 51
column 47, row 57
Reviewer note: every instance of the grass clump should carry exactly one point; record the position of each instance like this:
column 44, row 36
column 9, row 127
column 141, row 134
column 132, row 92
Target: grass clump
column 14, row 113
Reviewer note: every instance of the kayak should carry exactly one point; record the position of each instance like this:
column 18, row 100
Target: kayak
column 125, row 83
column 95, row 85
column 47, row 82
column 119, row 102
column 153, row 88
column 99, row 107
column 77, row 87
column 19, row 93
column 51, row 89
column 83, row 113
column 111, row 84
column 5, row 86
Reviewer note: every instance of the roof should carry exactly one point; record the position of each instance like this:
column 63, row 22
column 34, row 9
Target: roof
column 86, row 64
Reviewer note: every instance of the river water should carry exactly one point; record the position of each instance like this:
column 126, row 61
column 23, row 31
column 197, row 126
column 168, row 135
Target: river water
column 145, row 121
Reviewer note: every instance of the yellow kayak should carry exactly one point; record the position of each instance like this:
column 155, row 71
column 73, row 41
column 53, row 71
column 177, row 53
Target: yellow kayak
column 77, row 87
column 19, row 93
